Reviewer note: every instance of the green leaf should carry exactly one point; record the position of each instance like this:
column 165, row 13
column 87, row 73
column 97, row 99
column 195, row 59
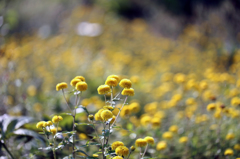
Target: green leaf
column 11, row 127
column 82, row 152
column 25, row 132
column 83, row 124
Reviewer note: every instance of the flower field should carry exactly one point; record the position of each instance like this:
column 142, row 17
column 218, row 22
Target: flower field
column 121, row 93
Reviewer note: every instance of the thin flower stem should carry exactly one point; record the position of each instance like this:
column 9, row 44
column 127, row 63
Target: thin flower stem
column 119, row 111
column 145, row 150
column 66, row 101
column 74, row 115
column 140, row 153
column 54, row 152
column 117, row 95
column 4, row 145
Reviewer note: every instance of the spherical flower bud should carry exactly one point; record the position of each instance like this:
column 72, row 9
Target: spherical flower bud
column 111, row 82
column 53, row 131
column 173, row 128
column 161, row 145
column 81, row 78
column 150, row 140
column 134, row 107
column 122, row 151
column 113, row 119
column 128, row 92
column 230, row 136
column 117, row 157
column 167, row 135
column 132, row 148
column 141, row 142
column 125, row 83
column 211, row 106
column 104, row 89
column 114, row 76
column 48, row 123
column 106, row 114
column 228, row 152
column 74, row 82
column 183, row 139
column 97, row 116
column 156, row 122
column 81, row 86
column 90, row 117
column 57, row 119
column 40, row 124
column 61, row 86
column 237, row 147
column 116, row 144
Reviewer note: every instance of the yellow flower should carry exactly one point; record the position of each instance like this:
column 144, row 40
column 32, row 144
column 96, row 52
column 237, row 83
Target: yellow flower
column 235, row 101
column 53, row 131
column 150, row 140
column 122, row 151
column 61, row 86
column 74, row 82
column 132, row 148
column 104, row 89
column 117, row 157
column 141, row 142
column 203, row 85
column 106, row 114
column 145, row 120
column 128, row 92
column 98, row 115
column 57, row 119
column 114, row 76
column 161, row 145
column 156, row 122
column 31, row 90
column 90, row 117
column 81, row 78
column 179, row 78
column 111, row 82
column 125, row 111
column 40, row 124
column 82, row 136
column 237, row 147
column 37, row 107
column 228, row 152
column 116, row 144
column 48, row 123
column 230, row 136
column 95, row 155
column 81, row 86
column 167, row 135
column 190, row 101
column 108, row 107
column 211, row 106
column 134, row 107
column 113, row 119
column 173, row 128
column 125, row 83
column 183, row 139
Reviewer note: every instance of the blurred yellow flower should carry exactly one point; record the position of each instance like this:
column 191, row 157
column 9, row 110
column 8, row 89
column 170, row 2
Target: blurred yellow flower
column 57, row 119
column 167, row 135
column 62, row 85
column 104, row 89
column 111, row 82
column 228, row 152
column 116, row 144
column 161, row 145
column 122, row 151
column 150, row 140
column 81, row 86
column 125, row 83
column 183, row 139
column 141, row 142
column 128, row 92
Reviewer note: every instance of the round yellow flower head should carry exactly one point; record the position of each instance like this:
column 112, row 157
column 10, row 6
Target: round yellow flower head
column 211, row 106
column 116, row 144
column 108, row 107
column 173, row 128
column 82, row 136
column 53, row 131
column 128, row 92
column 141, row 142
column 81, row 86
column 125, row 83
column 114, row 76
column 74, row 82
column 81, row 78
column 98, row 115
column 104, row 89
column 113, row 119
column 235, row 101
column 122, row 151
column 132, row 148
column 40, row 124
column 237, row 147
column 106, row 114
column 48, row 123
column 167, row 135
column 228, row 152
column 183, row 139
column 161, row 145
column 95, row 155
column 203, row 85
column 117, row 157
column 145, row 120
column 179, row 78
column 190, row 101
column 90, row 117
column 111, row 82
column 125, row 111
column 57, row 119
column 150, row 140
column 230, row 136
column 156, row 122
column 134, row 107
column 61, row 86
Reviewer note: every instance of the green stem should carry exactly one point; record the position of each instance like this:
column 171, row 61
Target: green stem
column 66, row 101
column 145, row 151
column 4, row 145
